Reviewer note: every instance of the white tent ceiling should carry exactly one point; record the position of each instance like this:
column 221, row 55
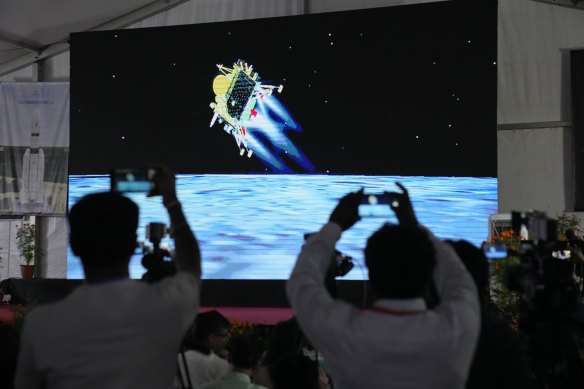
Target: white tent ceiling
column 33, row 30
column 36, row 29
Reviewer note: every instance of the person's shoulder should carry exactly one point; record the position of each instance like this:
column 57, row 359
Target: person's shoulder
column 41, row 318
column 194, row 355
column 36, row 314
column 210, row 359
column 211, row 385
column 182, row 277
column 181, row 282
column 219, row 363
column 186, row 275
column 256, row 386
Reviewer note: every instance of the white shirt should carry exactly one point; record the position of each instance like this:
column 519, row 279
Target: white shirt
column 119, row 334
column 381, row 348
column 233, row 380
column 203, row 368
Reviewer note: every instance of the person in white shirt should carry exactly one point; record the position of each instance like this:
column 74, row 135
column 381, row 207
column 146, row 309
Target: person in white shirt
column 398, row 342
column 114, row 332
column 204, row 353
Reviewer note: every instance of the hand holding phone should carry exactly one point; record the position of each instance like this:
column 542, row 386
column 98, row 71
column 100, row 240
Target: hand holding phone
column 376, row 205
column 346, row 213
column 164, row 184
column 377, row 199
column 403, row 208
column 132, row 180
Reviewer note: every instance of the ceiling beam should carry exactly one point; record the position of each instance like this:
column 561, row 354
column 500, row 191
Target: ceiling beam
column 564, row 3
column 29, row 59
column 21, row 45
column 149, row 10
column 139, row 14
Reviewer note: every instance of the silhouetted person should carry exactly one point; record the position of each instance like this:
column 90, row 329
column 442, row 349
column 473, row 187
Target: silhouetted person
column 114, row 332
column 244, row 354
column 398, row 343
column 204, row 349
column 293, row 372
column 576, row 245
column 498, row 345
column 9, row 339
column 571, row 235
column 286, row 340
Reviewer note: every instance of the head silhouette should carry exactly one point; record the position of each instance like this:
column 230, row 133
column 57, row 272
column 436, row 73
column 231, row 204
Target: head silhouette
column 475, row 262
column 208, row 332
column 103, row 229
column 286, row 338
column 245, row 351
column 570, row 234
column 294, row 371
column 400, row 262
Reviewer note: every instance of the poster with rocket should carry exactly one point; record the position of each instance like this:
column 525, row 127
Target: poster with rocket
column 34, row 148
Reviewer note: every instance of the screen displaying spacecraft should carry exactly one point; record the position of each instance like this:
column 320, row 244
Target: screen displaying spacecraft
column 269, row 122
column 249, row 111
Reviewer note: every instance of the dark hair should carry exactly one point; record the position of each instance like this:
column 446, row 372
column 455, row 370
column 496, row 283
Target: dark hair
column 245, row 351
column 293, row 372
column 286, row 338
column 103, row 228
column 400, row 261
column 475, row 262
column 205, row 324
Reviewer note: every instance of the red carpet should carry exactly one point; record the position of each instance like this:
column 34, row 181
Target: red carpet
column 255, row 315
column 5, row 314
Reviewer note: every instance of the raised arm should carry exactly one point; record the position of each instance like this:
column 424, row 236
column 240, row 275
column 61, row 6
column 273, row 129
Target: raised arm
column 318, row 313
column 454, row 285
column 187, row 253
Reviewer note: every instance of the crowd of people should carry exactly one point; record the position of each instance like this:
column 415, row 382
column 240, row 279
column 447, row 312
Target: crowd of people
column 429, row 327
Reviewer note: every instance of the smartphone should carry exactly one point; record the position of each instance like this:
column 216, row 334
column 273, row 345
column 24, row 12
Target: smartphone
column 496, row 250
column 377, row 199
column 131, row 180
column 377, row 205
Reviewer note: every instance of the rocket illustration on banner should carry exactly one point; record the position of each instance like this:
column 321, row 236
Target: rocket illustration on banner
column 33, row 168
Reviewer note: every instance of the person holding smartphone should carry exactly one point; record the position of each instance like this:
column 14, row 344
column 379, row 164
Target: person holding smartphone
column 114, row 332
column 398, row 342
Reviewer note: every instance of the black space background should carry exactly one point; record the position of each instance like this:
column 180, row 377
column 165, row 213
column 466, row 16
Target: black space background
column 383, row 88
column 577, row 84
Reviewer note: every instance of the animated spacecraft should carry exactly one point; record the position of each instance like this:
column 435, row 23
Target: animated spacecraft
column 237, row 91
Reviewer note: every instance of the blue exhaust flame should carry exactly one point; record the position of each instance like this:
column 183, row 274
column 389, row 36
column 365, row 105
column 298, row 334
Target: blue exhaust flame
column 268, row 140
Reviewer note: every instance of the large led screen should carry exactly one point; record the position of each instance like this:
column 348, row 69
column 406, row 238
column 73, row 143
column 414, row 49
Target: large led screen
column 269, row 122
